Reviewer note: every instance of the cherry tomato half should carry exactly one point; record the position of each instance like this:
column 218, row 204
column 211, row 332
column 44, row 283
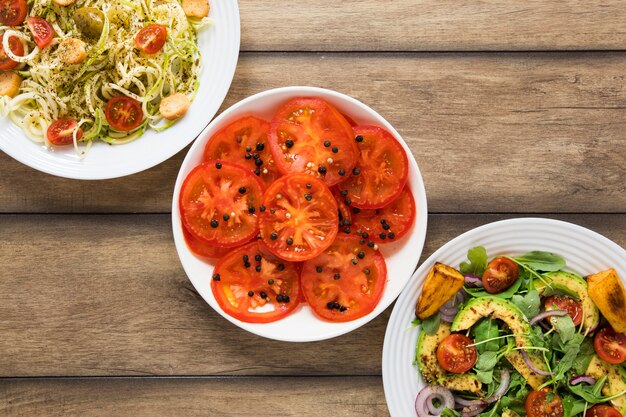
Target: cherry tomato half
column 42, row 31
column 610, row 345
column 254, row 286
column 602, row 411
column 561, row 302
column 500, row 274
column 381, row 171
column 201, row 247
column 13, row 12
column 61, row 132
column 543, row 403
column 309, row 135
column 387, row 224
column 218, row 201
column 151, row 38
column 455, row 354
column 16, row 47
column 123, row 113
column 244, row 142
column 299, row 217
column 346, row 281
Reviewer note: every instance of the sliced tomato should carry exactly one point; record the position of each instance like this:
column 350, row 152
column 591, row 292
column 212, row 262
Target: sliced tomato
column 603, row 411
column 309, row 135
column 123, row 113
column 218, row 203
column 244, row 142
column 61, row 132
column 387, row 224
column 543, row 403
column 500, row 274
column 202, row 248
column 610, row 345
column 42, row 31
column 13, row 12
column 346, row 281
column 455, row 353
column 561, row 302
column 298, row 220
column 16, row 47
column 151, row 38
column 345, row 214
column 381, row 171
column 254, row 286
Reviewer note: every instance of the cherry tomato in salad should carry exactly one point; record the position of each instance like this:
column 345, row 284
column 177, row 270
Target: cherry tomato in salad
column 16, row 47
column 254, row 286
column 543, row 403
column 123, row 113
column 500, row 274
column 42, row 31
column 244, row 142
column 298, row 219
column 151, row 38
column 309, row 135
column 201, row 247
column 61, row 132
column 602, row 411
column 455, row 353
column 610, row 345
column 13, row 12
column 561, row 302
column 387, row 224
column 218, row 202
column 381, row 171
column 346, row 281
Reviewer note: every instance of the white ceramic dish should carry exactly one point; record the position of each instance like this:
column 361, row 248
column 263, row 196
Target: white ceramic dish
column 401, row 257
column 584, row 251
column 219, row 45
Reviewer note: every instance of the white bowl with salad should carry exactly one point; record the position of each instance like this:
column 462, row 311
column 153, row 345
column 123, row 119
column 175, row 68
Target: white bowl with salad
column 518, row 317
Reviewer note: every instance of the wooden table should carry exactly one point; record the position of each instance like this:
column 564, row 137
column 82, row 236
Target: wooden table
column 511, row 108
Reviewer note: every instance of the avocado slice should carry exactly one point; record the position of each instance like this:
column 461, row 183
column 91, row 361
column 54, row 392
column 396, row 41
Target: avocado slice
column 513, row 317
column 433, row 373
column 572, row 284
column 615, row 383
column 509, row 413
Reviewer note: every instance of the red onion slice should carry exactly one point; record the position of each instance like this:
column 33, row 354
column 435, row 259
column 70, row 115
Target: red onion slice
column 424, row 405
column 505, row 380
column 532, row 366
column 546, row 314
column 472, row 411
column 473, row 281
column 582, row 378
column 449, row 310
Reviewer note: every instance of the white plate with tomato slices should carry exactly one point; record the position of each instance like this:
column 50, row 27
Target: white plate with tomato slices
column 269, row 193
column 585, row 252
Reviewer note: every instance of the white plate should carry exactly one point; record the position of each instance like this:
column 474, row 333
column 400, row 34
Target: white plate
column 585, row 252
column 401, row 257
column 219, row 45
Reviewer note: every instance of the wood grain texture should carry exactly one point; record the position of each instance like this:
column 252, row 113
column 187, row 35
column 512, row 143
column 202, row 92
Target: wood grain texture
column 491, row 133
column 106, row 296
column 431, row 25
column 190, row 397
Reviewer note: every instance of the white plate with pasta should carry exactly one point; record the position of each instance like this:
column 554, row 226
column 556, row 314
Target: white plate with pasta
column 100, row 54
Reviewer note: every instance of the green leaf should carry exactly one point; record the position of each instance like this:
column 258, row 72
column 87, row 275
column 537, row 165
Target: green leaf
column 446, row 412
column 486, row 377
column 486, row 329
column 589, row 393
column 487, row 361
column 529, row 303
column 510, row 292
column 565, row 326
column 585, row 353
column 542, row 261
column 572, row 405
column 431, row 324
column 415, row 322
column 477, row 261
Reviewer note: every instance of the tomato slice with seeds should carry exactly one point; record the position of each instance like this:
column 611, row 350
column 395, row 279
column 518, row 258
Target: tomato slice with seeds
column 381, row 171
column 298, row 220
column 543, row 403
column 13, row 12
column 603, row 411
column 43, row 32
column 456, row 354
column 561, row 302
column 151, row 38
column 217, row 201
column 610, row 345
column 346, row 281
column 16, row 47
column 61, row 132
column 345, row 214
column 500, row 274
column 309, row 135
column 254, row 286
column 387, row 224
column 202, row 248
column 123, row 113
column 244, row 142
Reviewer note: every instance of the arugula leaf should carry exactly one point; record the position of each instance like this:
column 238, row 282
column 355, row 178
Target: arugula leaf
column 572, row 405
column 431, row 324
column 510, row 292
column 415, row 322
column 486, row 361
column 566, row 362
column 529, row 303
column 565, row 326
column 477, row 261
column 589, row 393
column 542, row 261
column 486, row 329
column 486, row 377
column 585, row 353
column 446, row 412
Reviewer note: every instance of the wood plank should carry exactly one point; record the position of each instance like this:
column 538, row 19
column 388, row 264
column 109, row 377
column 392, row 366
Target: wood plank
column 106, row 296
column 154, row 397
column 491, row 133
column 431, row 25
